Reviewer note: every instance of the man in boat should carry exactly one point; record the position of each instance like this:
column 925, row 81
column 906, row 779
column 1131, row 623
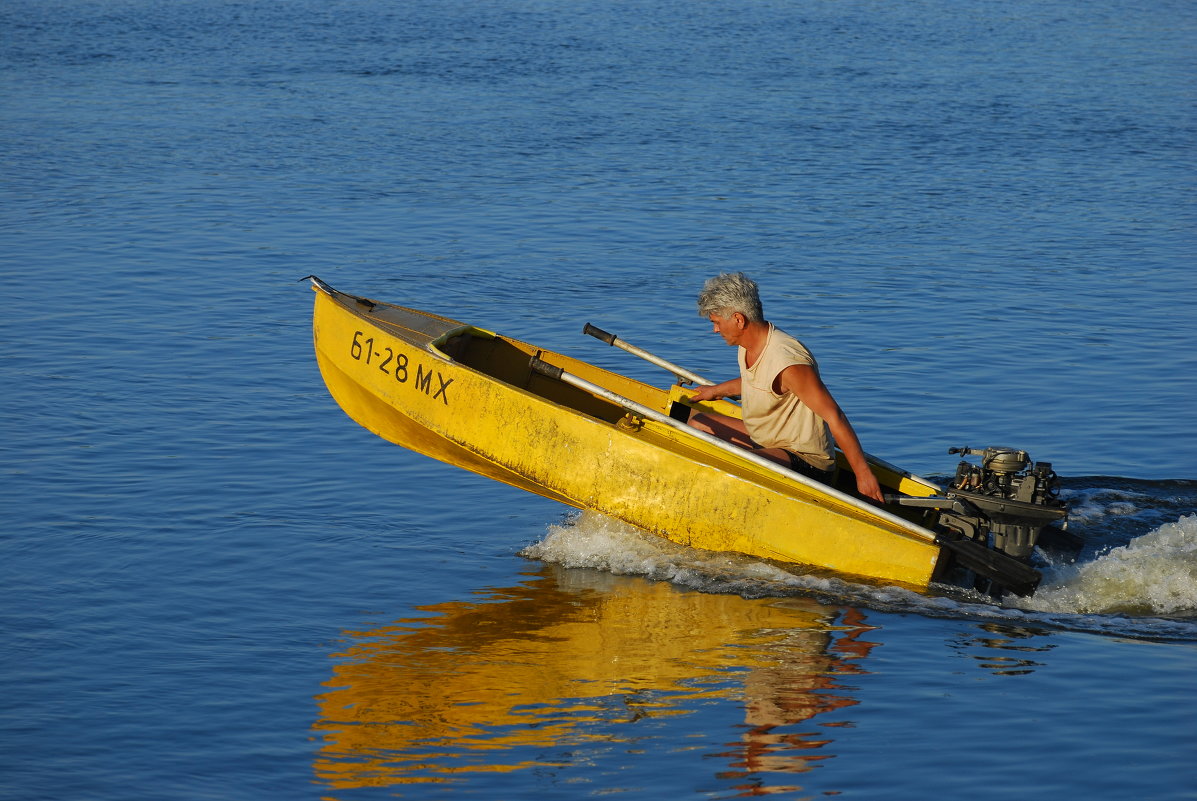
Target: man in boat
column 789, row 414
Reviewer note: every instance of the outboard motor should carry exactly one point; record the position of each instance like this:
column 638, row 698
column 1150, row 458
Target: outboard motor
column 990, row 518
column 1017, row 498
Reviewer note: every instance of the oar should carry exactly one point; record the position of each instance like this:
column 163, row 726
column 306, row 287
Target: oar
column 998, row 567
column 611, row 339
column 558, row 373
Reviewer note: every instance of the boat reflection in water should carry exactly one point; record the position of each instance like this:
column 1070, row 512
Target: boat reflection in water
column 578, row 669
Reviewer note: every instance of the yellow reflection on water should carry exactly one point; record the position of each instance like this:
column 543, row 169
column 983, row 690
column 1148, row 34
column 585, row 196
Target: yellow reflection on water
column 527, row 676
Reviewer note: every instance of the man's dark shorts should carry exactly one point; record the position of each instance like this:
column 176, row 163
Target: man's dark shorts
column 800, row 465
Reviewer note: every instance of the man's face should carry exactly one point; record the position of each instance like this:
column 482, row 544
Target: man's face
column 731, row 328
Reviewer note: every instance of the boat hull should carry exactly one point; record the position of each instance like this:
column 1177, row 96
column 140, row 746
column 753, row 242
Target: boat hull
column 467, row 397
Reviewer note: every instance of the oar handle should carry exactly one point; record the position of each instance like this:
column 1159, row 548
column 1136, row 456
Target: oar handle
column 545, row 369
column 611, row 339
column 598, row 333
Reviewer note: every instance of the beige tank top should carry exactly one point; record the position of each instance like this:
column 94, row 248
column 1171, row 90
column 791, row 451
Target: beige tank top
column 782, row 421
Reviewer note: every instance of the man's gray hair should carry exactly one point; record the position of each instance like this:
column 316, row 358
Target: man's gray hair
column 728, row 293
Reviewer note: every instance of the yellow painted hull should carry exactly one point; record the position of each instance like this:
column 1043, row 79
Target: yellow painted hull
column 468, row 397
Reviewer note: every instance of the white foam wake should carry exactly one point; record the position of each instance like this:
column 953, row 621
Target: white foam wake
column 592, row 540
column 1155, row 574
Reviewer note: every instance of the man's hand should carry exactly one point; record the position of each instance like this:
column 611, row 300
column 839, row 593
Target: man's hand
column 717, row 391
column 868, row 486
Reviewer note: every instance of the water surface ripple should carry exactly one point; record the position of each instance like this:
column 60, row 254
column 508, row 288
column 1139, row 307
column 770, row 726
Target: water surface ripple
column 978, row 215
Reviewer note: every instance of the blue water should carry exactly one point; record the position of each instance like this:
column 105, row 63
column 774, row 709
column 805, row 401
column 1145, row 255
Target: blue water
column 979, row 216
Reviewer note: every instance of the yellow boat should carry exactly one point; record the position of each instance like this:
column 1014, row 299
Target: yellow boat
column 567, row 430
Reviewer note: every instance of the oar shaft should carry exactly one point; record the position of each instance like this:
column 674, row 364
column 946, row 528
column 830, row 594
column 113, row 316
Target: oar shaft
column 558, row 373
column 615, row 341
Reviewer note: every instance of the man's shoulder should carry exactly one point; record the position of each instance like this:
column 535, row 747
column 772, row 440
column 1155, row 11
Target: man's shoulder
column 791, row 347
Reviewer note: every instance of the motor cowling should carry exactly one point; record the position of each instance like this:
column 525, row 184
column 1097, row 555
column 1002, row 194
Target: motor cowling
column 1018, row 498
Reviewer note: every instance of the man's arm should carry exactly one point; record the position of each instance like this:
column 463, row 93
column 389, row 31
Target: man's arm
column 717, row 391
column 804, row 381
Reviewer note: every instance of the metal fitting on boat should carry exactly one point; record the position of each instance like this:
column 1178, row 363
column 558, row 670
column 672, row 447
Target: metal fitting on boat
column 629, row 422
